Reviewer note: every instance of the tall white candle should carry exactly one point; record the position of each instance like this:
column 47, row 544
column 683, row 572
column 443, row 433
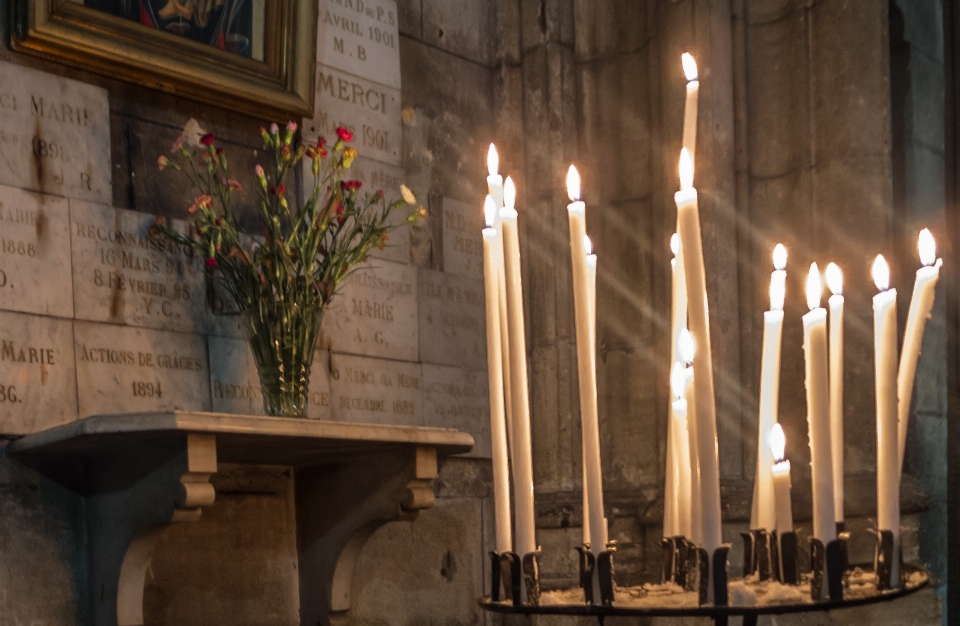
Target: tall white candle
column 921, row 303
column 781, row 481
column 498, row 426
column 586, row 363
column 885, row 364
column 705, row 412
column 672, row 523
column 495, row 189
column 526, row 541
column 690, row 107
column 818, row 409
column 763, row 514
column 835, row 283
column 591, row 260
column 694, row 531
column 679, row 473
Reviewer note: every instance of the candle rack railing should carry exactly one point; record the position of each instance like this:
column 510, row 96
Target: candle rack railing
column 768, row 559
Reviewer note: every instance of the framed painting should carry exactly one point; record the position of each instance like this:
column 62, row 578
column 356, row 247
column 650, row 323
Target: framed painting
column 253, row 56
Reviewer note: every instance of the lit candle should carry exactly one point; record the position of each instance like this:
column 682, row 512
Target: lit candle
column 705, row 410
column 835, row 283
column 495, row 189
column 781, row 481
column 885, row 364
column 526, row 541
column 591, row 260
column 586, row 363
column 690, row 108
column 818, row 410
column 921, row 303
column 498, row 427
column 763, row 514
column 672, row 523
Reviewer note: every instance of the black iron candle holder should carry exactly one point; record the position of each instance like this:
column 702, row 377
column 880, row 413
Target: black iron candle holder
column 883, row 556
column 600, row 565
column 788, row 566
column 505, row 569
column 827, row 567
column 531, row 577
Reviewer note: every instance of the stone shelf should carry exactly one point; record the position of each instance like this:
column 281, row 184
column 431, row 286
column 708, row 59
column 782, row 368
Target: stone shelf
column 143, row 472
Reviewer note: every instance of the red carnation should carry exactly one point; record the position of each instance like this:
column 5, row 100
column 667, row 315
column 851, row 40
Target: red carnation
column 211, row 262
column 351, row 185
column 321, row 142
column 344, row 134
column 207, row 139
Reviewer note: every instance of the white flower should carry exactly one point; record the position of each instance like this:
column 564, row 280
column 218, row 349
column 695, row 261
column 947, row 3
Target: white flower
column 192, row 133
column 408, row 196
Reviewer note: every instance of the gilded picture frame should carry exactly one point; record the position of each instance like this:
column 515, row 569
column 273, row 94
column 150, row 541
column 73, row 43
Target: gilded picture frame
column 280, row 83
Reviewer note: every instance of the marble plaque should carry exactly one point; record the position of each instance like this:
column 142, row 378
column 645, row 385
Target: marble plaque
column 35, row 253
column 462, row 241
column 387, row 178
column 235, row 386
column 376, row 391
column 452, row 320
column 54, row 134
column 38, row 382
column 360, row 37
column 370, row 110
column 122, row 276
column 128, row 370
column 458, row 398
column 375, row 313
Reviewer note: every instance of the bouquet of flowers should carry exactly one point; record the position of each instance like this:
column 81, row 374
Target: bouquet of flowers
column 282, row 278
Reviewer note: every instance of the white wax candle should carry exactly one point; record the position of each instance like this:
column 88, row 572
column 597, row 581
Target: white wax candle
column 522, row 461
column 690, row 107
column 495, row 189
column 705, row 410
column 672, row 523
column 683, row 477
column 591, row 260
column 498, row 426
column 835, row 282
column 694, row 513
column 780, row 472
column 818, row 410
column 921, row 303
column 885, row 364
column 586, row 363
column 763, row 514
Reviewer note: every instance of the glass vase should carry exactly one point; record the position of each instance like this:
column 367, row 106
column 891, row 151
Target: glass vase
column 283, row 339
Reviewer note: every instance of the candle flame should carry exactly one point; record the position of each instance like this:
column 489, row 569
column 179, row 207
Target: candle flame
column 678, row 380
column 509, row 193
column 689, row 66
column 493, row 161
column 675, row 244
column 779, row 257
column 587, row 245
column 881, row 273
column 573, row 183
column 814, row 287
column 489, row 210
column 927, row 247
column 686, row 169
column 777, row 294
column 778, row 442
column 687, row 346
column 834, row 279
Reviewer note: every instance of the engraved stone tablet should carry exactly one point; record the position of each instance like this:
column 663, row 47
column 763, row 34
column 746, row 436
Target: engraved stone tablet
column 120, row 275
column 129, row 370
column 370, row 110
column 375, row 391
column 462, row 241
column 452, row 320
column 360, row 38
column 35, row 253
column 375, row 313
column 235, row 385
column 38, row 387
column 458, row 398
column 54, row 134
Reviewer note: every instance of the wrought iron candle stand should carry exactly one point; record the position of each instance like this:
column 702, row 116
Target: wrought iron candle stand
column 767, row 557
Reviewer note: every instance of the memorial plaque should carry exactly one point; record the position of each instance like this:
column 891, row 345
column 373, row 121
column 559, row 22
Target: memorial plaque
column 452, row 320
column 462, row 241
column 54, row 134
column 128, row 370
column 235, row 385
column 35, row 253
column 376, row 391
column 121, row 275
column 375, row 313
column 370, row 110
column 360, row 37
column 38, row 381
column 387, row 178
column 458, row 398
